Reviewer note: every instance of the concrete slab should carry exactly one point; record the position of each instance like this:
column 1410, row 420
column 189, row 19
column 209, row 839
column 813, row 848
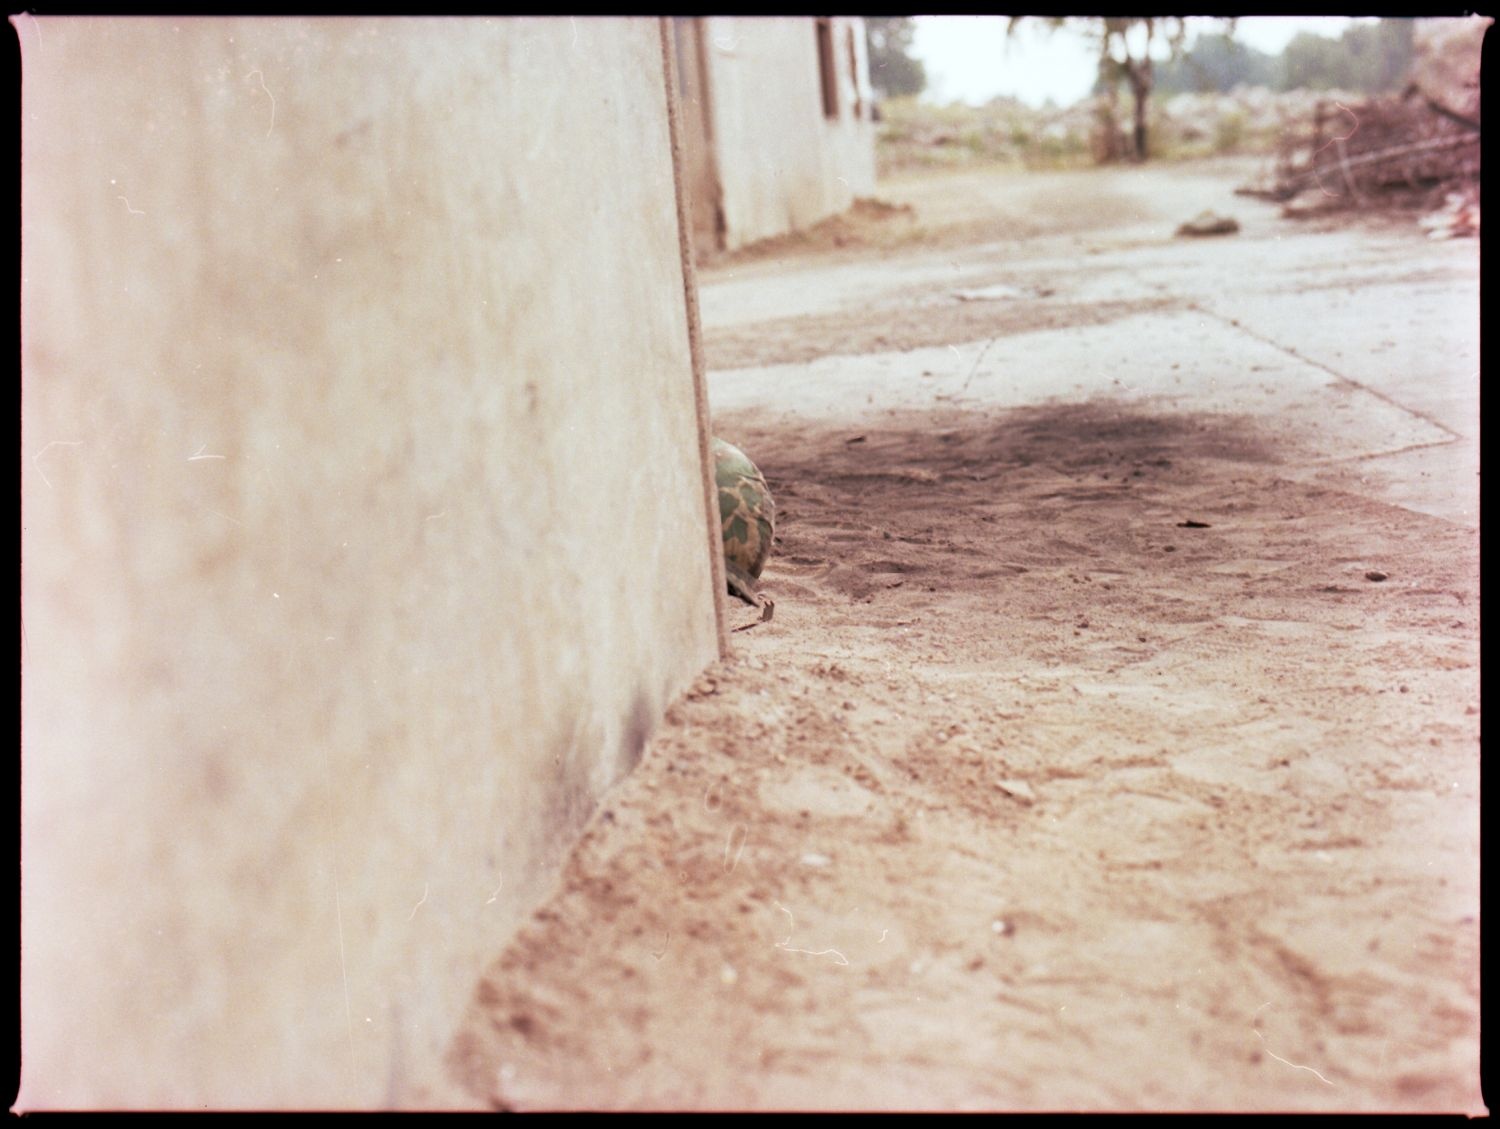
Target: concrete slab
column 1182, row 361
column 1243, row 323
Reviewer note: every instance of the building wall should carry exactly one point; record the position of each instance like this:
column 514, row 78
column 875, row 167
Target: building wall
column 363, row 528
column 851, row 140
column 782, row 164
column 699, row 162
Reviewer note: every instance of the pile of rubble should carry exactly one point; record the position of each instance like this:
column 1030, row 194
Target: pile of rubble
column 1248, row 119
column 1353, row 153
column 1458, row 216
column 914, row 135
column 1419, row 149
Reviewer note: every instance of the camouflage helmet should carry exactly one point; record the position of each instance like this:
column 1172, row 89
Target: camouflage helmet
column 749, row 518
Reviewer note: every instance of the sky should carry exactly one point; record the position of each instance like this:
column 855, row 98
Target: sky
column 970, row 59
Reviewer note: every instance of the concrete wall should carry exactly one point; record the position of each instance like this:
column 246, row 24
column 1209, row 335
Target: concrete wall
column 782, row 164
column 363, row 528
column 700, row 169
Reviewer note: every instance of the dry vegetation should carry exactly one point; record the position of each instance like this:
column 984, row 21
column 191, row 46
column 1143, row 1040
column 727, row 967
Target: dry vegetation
column 914, row 135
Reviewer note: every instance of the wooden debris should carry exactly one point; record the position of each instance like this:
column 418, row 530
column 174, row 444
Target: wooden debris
column 1361, row 154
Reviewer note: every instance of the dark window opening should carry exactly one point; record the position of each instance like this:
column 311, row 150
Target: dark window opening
column 859, row 102
column 827, row 69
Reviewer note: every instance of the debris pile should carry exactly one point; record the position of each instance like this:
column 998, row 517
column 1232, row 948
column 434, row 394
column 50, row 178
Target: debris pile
column 1419, row 149
column 1352, row 154
column 1458, row 216
column 917, row 135
column 1248, row 119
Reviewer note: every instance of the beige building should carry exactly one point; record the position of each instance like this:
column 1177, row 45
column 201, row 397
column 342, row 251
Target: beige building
column 366, row 531
column 778, row 129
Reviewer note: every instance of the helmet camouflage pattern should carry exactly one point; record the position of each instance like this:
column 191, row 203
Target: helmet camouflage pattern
column 748, row 515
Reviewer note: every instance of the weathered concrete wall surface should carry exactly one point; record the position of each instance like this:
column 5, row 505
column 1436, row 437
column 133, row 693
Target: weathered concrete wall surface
column 782, row 164
column 363, row 529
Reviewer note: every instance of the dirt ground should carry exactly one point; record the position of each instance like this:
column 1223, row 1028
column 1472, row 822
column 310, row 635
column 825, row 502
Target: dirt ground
column 1115, row 742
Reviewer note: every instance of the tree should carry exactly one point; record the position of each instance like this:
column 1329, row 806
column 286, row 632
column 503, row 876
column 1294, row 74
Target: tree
column 1120, row 58
column 1369, row 58
column 1125, row 45
column 893, row 71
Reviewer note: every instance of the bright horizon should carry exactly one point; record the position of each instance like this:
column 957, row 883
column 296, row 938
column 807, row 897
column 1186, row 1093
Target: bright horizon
column 971, row 59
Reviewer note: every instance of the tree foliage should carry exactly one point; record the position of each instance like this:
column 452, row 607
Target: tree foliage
column 1367, row 59
column 1217, row 63
column 893, row 71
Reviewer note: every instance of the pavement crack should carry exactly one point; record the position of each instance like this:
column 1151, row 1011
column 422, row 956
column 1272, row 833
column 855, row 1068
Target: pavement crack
column 1340, row 377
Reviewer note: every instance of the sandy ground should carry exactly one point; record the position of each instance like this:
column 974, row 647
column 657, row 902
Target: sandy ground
column 1114, row 745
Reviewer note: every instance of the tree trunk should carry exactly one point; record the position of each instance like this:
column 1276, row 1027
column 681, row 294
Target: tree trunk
column 1140, row 126
column 1108, row 147
column 1139, row 75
